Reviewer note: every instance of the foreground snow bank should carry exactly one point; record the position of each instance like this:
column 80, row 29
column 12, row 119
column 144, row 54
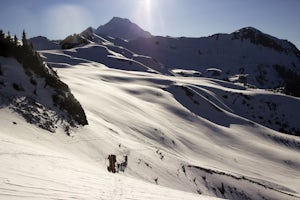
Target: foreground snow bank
column 32, row 169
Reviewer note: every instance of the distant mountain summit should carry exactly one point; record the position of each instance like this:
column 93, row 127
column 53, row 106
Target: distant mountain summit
column 122, row 28
column 246, row 56
column 259, row 38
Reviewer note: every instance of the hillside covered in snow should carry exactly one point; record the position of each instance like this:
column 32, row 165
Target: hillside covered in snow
column 32, row 89
column 247, row 58
column 191, row 118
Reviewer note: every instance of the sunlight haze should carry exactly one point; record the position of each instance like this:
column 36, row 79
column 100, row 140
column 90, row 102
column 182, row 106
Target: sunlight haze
column 194, row 18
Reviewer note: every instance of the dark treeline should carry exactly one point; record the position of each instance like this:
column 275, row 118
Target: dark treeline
column 24, row 53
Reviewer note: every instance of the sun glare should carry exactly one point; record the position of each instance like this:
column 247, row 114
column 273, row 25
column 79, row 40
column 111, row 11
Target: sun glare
column 144, row 13
column 148, row 3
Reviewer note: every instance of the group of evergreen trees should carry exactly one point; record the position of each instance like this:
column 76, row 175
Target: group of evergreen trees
column 24, row 53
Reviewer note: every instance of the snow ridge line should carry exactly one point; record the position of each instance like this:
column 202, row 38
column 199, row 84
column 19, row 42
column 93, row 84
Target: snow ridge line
column 211, row 171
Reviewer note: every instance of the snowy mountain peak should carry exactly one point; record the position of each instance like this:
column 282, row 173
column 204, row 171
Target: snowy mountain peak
column 122, row 28
column 88, row 33
column 249, row 29
column 120, row 20
column 259, row 38
column 89, row 30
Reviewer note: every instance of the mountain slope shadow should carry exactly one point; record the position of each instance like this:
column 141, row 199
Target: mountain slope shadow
column 203, row 107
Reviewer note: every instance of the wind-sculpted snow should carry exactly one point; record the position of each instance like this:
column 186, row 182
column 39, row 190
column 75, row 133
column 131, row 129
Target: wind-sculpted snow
column 29, row 170
column 94, row 53
column 262, row 110
column 168, row 137
column 246, row 56
column 155, row 120
column 253, row 59
column 202, row 106
column 190, row 114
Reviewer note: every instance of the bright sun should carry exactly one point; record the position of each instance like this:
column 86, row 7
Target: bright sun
column 148, row 2
column 143, row 14
column 148, row 5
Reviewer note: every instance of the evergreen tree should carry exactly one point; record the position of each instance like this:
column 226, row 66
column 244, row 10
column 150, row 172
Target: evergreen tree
column 15, row 40
column 24, row 39
column 31, row 46
column 8, row 36
column 2, row 35
column 32, row 62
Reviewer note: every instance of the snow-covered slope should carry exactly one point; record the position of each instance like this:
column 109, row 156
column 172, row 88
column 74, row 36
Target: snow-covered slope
column 234, row 54
column 122, row 28
column 184, row 111
column 181, row 132
column 36, row 165
column 154, row 120
column 262, row 109
column 37, row 100
column 247, row 56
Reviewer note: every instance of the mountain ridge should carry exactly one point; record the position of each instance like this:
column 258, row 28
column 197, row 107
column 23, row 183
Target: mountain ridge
column 247, row 55
column 247, row 32
column 122, row 28
column 238, row 57
column 258, row 37
column 199, row 115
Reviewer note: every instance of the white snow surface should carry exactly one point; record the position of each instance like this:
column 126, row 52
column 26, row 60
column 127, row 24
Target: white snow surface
column 170, row 140
column 182, row 135
column 35, row 165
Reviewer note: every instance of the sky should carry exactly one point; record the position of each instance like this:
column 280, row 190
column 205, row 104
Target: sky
column 57, row 19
